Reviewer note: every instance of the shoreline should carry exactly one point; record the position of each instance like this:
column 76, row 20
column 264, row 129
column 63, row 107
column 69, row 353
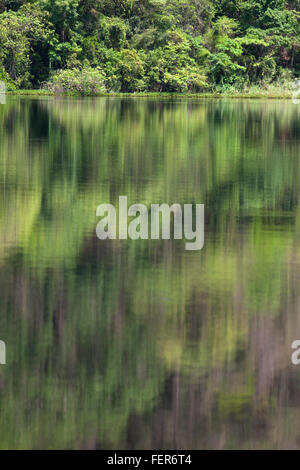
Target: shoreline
column 212, row 95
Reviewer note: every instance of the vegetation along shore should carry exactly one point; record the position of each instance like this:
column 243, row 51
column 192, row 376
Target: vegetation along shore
column 95, row 47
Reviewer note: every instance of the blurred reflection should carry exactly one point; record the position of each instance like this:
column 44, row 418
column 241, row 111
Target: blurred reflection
column 140, row 344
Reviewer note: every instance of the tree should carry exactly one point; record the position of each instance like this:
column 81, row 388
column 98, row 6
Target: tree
column 21, row 33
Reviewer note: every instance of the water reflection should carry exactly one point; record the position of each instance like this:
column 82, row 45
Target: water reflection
column 140, row 344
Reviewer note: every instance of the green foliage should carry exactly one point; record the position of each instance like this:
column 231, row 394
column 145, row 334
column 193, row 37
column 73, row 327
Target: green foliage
column 22, row 33
column 131, row 71
column 85, row 81
column 152, row 45
column 223, row 70
column 4, row 77
column 63, row 16
column 113, row 32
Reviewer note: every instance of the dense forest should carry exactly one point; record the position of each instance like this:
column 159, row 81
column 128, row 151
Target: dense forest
column 94, row 46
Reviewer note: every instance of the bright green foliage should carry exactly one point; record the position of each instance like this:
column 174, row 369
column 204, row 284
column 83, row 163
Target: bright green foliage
column 131, row 71
column 151, row 45
column 113, row 32
column 171, row 68
column 85, row 81
column 22, row 34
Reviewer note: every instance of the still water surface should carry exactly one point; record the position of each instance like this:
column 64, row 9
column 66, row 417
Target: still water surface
column 141, row 344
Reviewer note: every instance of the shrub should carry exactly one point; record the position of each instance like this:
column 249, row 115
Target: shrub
column 4, row 77
column 86, row 81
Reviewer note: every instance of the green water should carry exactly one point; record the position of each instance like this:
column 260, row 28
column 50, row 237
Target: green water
column 142, row 344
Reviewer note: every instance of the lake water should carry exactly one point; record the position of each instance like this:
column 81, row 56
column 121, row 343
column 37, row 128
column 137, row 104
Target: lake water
column 142, row 344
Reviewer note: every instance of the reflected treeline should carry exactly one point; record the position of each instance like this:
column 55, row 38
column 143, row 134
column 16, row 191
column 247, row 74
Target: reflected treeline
column 140, row 344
